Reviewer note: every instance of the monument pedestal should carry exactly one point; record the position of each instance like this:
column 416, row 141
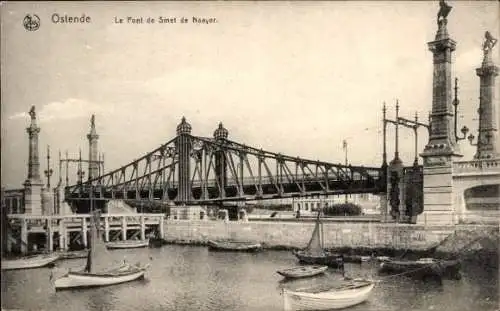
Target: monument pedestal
column 33, row 197
column 439, row 199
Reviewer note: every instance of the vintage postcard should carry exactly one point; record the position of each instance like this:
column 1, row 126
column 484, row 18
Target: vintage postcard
column 248, row 155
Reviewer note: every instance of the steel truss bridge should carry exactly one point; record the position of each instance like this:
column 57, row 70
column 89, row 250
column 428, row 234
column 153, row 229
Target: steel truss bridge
column 198, row 170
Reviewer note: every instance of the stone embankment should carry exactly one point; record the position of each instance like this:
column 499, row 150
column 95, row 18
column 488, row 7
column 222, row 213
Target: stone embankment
column 387, row 239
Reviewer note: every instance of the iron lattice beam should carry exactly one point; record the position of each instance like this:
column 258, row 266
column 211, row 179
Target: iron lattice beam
column 224, row 170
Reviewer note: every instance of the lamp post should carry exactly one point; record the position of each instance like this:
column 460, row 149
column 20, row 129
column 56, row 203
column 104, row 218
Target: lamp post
column 80, row 172
column 48, row 172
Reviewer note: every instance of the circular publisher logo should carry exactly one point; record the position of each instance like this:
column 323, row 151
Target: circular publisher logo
column 31, row 22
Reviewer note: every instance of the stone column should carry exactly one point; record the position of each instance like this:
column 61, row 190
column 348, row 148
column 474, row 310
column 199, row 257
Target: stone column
column 488, row 138
column 33, row 184
column 93, row 150
column 441, row 150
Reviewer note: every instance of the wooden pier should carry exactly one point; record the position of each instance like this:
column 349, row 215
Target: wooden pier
column 74, row 227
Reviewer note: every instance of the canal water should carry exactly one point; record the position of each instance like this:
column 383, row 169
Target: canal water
column 193, row 278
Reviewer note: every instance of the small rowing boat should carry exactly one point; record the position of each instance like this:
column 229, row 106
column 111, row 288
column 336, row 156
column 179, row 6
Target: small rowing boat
column 424, row 267
column 128, row 244
column 29, row 262
column 302, row 272
column 346, row 294
column 240, row 246
column 356, row 258
column 73, row 254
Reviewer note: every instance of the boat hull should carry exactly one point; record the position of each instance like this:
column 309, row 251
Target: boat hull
column 302, row 272
column 441, row 269
column 326, row 259
column 156, row 242
column 127, row 244
column 356, row 258
column 294, row 300
column 231, row 246
column 80, row 280
column 36, row 261
column 73, row 254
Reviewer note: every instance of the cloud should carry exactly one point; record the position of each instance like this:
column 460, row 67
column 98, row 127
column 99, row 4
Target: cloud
column 71, row 108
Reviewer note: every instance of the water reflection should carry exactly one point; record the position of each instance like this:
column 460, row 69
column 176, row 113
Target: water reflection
column 192, row 278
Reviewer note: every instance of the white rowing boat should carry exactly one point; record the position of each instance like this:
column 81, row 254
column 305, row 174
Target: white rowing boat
column 29, row 262
column 128, row 244
column 100, row 270
column 125, row 273
column 348, row 294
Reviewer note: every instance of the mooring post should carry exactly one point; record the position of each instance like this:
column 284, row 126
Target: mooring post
column 106, row 228
column 143, row 228
column 124, row 228
column 84, row 231
column 24, row 235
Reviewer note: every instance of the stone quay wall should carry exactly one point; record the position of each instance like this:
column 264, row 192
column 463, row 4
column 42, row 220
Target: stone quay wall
column 286, row 234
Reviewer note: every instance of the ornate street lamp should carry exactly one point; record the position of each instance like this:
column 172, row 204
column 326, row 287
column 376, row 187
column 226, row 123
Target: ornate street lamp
column 48, row 172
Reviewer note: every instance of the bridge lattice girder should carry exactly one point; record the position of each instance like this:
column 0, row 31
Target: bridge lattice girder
column 224, row 170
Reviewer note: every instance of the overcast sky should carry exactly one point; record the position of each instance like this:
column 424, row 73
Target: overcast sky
column 295, row 78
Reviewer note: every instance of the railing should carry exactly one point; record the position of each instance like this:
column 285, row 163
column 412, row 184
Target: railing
column 477, row 166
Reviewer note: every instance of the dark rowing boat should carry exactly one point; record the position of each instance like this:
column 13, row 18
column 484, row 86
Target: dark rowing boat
column 234, row 246
column 302, row 272
column 424, row 267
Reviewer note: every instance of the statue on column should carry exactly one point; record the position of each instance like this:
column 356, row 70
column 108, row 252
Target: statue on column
column 444, row 10
column 92, row 121
column 32, row 113
column 489, row 42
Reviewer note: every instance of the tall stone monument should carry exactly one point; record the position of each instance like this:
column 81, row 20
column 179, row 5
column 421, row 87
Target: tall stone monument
column 184, row 147
column 33, row 184
column 488, row 139
column 93, row 155
column 442, row 149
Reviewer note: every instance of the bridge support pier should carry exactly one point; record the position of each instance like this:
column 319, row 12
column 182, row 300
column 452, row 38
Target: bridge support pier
column 50, row 235
column 162, row 227
column 84, row 232
column 106, row 229
column 24, row 236
column 63, row 244
column 124, row 228
column 143, row 228
column 384, row 212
